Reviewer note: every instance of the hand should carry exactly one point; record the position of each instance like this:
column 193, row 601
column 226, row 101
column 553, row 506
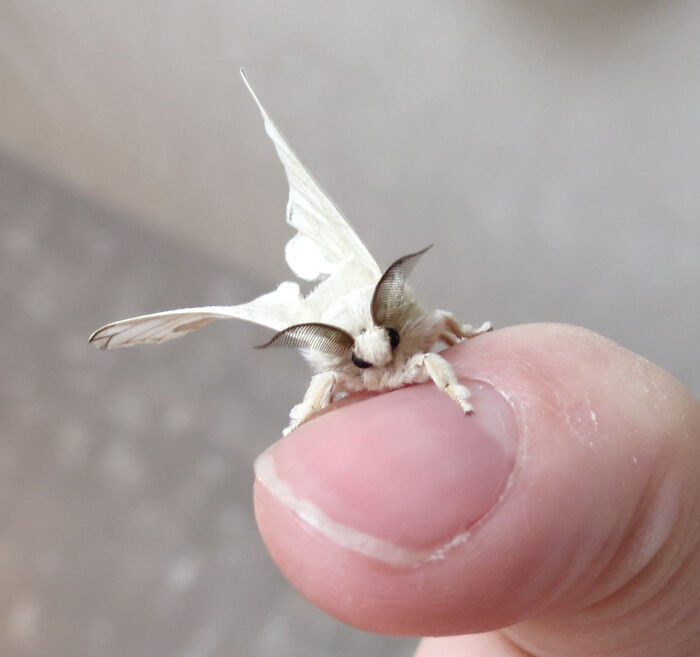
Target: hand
column 562, row 519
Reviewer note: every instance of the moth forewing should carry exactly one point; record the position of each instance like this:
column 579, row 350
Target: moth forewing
column 359, row 329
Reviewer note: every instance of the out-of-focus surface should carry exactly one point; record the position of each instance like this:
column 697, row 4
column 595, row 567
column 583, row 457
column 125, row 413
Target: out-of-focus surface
column 550, row 151
column 126, row 477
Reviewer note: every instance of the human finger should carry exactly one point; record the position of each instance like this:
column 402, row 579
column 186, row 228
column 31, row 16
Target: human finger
column 573, row 485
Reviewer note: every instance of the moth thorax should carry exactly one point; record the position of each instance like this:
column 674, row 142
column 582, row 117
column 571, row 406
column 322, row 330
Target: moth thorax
column 373, row 346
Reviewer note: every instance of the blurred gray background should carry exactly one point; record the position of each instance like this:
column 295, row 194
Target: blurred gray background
column 550, row 149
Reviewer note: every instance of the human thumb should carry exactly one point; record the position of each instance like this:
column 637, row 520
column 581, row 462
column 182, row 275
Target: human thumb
column 564, row 510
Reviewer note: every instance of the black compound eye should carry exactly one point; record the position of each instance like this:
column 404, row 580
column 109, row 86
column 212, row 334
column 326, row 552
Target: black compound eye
column 360, row 363
column 393, row 338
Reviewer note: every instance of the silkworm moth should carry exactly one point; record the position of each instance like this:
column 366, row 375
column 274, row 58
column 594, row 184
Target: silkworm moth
column 359, row 328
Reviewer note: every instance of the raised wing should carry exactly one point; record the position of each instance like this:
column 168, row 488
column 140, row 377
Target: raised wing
column 277, row 309
column 324, row 242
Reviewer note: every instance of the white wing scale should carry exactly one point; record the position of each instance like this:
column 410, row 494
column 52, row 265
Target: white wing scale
column 324, row 248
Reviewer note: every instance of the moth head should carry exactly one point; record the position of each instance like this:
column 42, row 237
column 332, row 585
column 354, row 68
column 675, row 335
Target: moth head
column 372, row 348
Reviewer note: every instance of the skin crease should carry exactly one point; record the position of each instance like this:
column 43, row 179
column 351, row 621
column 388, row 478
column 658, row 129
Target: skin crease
column 592, row 551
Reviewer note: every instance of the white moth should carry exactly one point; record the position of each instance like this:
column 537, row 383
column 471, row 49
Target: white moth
column 359, row 329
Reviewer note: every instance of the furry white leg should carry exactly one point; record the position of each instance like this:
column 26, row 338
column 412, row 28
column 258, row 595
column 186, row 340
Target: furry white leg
column 449, row 339
column 451, row 331
column 442, row 374
column 317, row 396
column 466, row 330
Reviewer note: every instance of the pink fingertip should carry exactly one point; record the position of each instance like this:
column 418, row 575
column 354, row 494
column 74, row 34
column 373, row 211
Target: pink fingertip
column 398, row 477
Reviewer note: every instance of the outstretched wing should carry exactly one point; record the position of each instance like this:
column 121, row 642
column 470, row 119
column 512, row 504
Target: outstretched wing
column 276, row 309
column 325, row 248
column 325, row 243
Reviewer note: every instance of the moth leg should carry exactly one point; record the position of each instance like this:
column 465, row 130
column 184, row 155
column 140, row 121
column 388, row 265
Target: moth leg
column 317, row 396
column 443, row 375
column 468, row 331
column 465, row 330
column 449, row 339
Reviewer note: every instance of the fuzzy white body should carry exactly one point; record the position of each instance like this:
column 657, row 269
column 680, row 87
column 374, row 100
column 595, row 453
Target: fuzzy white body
column 411, row 362
column 325, row 249
column 419, row 332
